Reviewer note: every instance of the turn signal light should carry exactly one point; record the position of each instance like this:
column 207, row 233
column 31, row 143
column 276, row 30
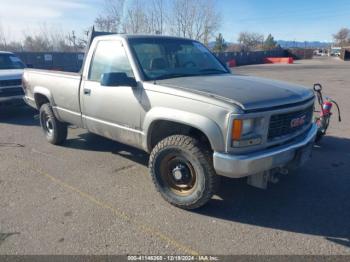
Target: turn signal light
column 237, row 127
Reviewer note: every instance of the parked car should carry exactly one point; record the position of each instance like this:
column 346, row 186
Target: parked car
column 172, row 98
column 335, row 51
column 11, row 70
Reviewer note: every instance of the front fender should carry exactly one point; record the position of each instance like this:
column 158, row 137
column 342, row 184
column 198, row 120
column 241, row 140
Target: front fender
column 202, row 123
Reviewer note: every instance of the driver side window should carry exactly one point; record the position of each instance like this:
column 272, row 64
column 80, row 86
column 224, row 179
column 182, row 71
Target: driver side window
column 109, row 57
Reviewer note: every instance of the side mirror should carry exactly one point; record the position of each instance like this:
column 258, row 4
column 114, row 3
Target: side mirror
column 117, row 79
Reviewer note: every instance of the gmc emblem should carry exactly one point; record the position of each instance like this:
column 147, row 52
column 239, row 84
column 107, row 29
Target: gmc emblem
column 297, row 121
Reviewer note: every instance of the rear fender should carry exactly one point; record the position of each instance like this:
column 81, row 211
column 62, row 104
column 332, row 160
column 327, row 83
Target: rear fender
column 39, row 90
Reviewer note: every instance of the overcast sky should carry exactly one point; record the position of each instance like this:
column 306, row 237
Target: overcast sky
column 288, row 20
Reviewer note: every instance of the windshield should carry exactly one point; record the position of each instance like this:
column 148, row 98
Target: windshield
column 10, row 61
column 162, row 58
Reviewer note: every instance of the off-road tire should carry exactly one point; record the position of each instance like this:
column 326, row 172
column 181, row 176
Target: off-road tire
column 56, row 133
column 199, row 157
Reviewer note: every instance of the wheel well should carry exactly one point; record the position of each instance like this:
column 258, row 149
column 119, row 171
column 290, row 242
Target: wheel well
column 40, row 100
column 162, row 129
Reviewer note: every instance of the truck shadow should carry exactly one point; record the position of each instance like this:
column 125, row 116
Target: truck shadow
column 92, row 142
column 19, row 115
column 314, row 200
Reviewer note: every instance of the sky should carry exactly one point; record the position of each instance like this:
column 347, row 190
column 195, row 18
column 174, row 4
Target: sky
column 295, row 20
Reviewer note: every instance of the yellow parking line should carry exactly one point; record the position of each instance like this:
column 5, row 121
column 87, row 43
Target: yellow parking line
column 142, row 227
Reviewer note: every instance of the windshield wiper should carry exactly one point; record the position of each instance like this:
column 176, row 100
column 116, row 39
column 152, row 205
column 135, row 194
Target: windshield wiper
column 212, row 70
column 173, row 76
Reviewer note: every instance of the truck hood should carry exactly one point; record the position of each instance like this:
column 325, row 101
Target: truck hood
column 250, row 93
column 11, row 74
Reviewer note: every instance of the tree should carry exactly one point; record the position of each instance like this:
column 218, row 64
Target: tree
column 220, row 44
column 106, row 24
column 250, row 40
column 37, row 44
column 2, row 37
column 111, row 18
column 159, row 8
column 270, row 43
column 46, row 39
column 196, row 19
column 156, row 17
column 342, row 37
column 137, row 21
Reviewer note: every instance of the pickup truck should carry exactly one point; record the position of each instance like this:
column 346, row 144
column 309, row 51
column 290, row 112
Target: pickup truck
column 172, row 98
column 11, row 70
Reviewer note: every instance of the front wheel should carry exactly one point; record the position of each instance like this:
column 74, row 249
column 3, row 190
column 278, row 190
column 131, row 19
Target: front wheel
column 54, row 130
column 182, row 172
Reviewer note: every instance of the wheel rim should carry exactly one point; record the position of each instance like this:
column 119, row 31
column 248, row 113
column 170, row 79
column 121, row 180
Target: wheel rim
column 178, row 174
column 47, row 124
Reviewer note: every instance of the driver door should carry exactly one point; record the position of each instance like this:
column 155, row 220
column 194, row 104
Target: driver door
column 111, row 111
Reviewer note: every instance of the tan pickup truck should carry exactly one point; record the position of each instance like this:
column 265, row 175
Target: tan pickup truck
column 173, row 98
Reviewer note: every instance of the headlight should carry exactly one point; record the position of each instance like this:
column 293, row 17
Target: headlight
column 247, row 126
column 243, row 132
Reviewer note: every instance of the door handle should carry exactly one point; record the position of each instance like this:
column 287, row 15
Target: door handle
column 87, row 91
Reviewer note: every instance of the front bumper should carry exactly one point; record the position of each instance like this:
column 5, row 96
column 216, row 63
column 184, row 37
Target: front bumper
column 236, row 166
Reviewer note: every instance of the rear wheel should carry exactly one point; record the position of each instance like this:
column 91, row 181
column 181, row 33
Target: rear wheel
column 54, row 130
column 182, row 172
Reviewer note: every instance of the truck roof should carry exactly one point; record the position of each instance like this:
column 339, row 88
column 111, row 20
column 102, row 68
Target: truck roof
column 129, row 36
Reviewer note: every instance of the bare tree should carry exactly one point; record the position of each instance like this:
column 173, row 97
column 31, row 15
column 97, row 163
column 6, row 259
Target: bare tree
column 51, row 39
column 156, row 16
column 207, row 21
column 111, row 18
column 45, row 39
column 56, row 38
column 342, row 38
column 3, row 38
column 158, row 7
column 136, row 20
column 37, row 43
column 182, row 17
column 106, row 24
column 250, row 41
column 196, row 19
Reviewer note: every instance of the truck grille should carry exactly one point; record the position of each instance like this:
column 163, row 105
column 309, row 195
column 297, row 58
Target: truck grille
column 15, row 82
column 289, row 123
column 15, row 91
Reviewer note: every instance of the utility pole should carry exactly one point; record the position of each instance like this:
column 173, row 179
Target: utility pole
column 74, row 41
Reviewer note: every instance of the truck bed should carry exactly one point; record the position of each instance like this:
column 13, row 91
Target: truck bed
column 61, row 88
column 52, row 72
